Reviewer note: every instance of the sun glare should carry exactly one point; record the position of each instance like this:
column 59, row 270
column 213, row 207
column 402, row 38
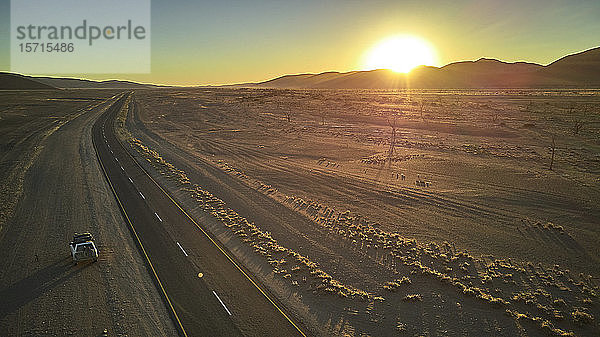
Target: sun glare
column 400, row 54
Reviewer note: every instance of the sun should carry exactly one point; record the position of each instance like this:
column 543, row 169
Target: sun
column 400, row 53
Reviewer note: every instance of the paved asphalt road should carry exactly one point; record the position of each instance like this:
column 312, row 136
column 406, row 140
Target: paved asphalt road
column 179, row 251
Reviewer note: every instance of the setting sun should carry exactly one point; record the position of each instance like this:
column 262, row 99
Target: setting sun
column 400, row 54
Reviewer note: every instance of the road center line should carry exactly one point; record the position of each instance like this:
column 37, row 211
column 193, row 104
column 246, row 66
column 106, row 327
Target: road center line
column 131, row 181
column 182, row 249
column 223, row 304
column 158, row 216
column 143, row 197
column 122, row 168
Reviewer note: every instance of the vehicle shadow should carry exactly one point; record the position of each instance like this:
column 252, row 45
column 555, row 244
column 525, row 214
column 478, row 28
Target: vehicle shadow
column 28, row 289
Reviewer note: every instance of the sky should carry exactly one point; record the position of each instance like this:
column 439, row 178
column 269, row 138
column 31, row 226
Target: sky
column 220, row 42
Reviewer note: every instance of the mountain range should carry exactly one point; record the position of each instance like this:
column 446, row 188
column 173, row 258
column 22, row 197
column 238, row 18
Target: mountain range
column 576, row 70
column 12, row 81
column 580, row 70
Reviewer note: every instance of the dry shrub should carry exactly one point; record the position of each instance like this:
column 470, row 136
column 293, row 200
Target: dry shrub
column 413, row 298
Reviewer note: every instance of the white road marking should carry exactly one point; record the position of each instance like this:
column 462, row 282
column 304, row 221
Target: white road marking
column 143, row 197
column 182, row 249
column 111, row 151
column 122, row 168
column 223, row 304
column 159, row 219
column 131, row 181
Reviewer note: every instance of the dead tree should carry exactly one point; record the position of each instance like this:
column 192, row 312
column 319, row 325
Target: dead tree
column 392, row 124
column 579, row 121
column 495, row 114
column 553, row 149
column 422, row 106
column 577, row 126
column 288, row 115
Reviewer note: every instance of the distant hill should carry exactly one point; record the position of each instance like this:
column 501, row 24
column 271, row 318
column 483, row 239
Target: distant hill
column 71, row 83
column 10, row 81
column 577, row 70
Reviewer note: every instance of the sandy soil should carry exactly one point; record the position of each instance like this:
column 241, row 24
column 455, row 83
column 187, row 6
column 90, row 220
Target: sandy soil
column 52, row 187
column 494, row 244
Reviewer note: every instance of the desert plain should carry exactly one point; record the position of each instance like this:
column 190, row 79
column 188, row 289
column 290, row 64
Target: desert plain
column 462, row 229
column 364, row 212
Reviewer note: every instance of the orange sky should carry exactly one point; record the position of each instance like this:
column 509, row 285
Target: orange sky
column 196, row 43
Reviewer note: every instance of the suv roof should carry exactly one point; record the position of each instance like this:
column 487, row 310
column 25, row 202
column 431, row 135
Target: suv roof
column 83, row 237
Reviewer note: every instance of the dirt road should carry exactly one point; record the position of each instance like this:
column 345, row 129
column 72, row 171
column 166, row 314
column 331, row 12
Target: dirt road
column 63, row 191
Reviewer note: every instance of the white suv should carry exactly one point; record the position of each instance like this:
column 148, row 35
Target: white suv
column 83, row 248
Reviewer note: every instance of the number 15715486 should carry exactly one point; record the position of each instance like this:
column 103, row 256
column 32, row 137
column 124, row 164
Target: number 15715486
column 49, row 47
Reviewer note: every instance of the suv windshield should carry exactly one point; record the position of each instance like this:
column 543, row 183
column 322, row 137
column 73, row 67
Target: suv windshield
column 85, row 246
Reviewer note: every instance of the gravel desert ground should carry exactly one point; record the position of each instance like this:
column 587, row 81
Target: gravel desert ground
column 462, row 230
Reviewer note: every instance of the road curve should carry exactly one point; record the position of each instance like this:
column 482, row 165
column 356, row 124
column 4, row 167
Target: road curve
column 207, row 292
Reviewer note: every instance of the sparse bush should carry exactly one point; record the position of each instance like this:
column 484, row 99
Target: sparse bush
column 262, row 242
column 413, row 298
column 440, row 262
column 559, row 302
column 582, row 317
